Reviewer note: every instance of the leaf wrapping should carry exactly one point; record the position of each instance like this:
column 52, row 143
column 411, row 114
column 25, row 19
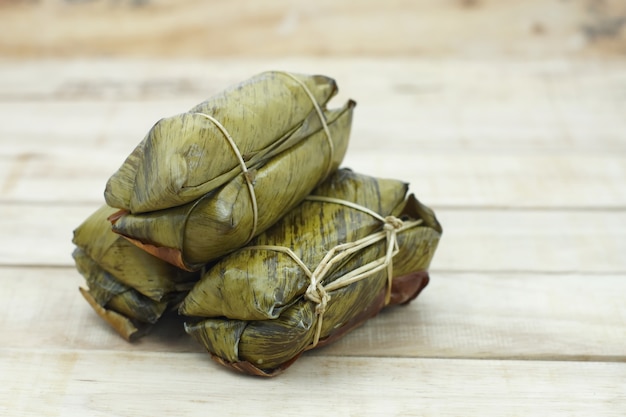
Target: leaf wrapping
column 223, row 220
column 249, row 309
column 128, row 287
column 185, row 156
column 244, row 189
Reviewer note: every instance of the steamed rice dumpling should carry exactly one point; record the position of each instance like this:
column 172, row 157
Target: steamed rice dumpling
column 327, row 265
column 186, row 156
column 226, row 218
column 289, row 252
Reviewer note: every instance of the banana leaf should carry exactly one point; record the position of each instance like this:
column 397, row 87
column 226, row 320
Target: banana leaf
column 186, row 156
column 128, row 311
column 251, row 310
column 223, row 220
column 127, row 287
column 109, row 292
column 129, row 265
column 257, row 290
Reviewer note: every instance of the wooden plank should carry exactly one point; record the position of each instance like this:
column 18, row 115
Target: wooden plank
column 564, row 79
column 473, row 240
column 441, row 179
column 499, row 180
column 523, row 162
column 191, row 28
column 532, row 241
column 541, row 107
column 40, row 236
column 48, row 311
column 102, row 383
column 502, row 316
column 489, row 316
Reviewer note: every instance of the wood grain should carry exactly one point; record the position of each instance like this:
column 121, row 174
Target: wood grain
column 71, row 380
column 523, row 161
column 460, row 315
column 222, row 28
column 493, row 106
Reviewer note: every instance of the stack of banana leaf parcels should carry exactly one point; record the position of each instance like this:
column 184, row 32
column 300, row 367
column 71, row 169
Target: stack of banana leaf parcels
column 236, row 214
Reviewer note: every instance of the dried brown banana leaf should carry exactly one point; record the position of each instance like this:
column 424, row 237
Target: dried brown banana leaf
column 221, row 221
column 120, row 323
column 254, row 309
column 186, row 156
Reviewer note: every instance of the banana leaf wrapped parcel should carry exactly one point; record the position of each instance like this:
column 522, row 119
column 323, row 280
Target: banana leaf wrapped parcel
column 236, row 214
column 128, row 288
column 205, row 182
column 356, row 245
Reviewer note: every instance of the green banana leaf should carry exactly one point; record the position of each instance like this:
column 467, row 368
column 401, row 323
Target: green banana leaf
column 129, row 312
column 221, row 221
column 257, row 290
column 250, row 311
column 129, row 265
column 186, row 156
column 109, row 292
column 129, row 288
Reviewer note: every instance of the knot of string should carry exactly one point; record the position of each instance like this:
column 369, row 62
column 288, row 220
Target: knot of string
column 244, row 169
column 316, row 291
column 319, row 293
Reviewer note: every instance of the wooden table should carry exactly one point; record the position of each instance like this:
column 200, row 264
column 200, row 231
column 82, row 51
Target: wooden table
column 522, row 156
column 524, row 163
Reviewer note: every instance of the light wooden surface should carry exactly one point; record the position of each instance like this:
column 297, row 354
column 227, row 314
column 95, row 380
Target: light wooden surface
column 507, row 117
column 192, row 28
column 524, row 162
